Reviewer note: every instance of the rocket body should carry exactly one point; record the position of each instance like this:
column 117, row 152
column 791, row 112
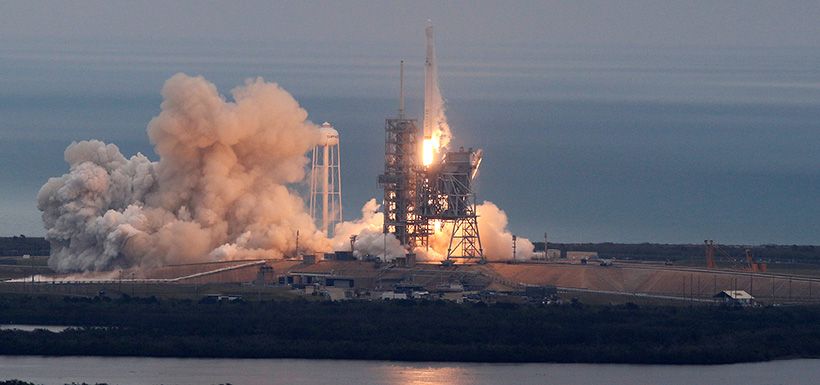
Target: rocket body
column 430, row 86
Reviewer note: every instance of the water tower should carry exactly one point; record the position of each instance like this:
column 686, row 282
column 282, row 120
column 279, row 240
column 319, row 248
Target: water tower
column 326, row 180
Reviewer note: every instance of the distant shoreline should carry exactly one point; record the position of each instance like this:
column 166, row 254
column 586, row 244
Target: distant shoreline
column 399, row 361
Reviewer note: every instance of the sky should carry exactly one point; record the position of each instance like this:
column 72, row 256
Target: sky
column 713, row 23
column 601, row 121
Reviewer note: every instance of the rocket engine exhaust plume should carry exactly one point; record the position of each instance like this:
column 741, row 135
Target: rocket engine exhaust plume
column 436, row 130
column 220, row 189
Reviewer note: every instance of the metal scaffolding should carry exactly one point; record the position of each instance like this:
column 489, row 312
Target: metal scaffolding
column 419, row 192
column 400, row 178
column 448, row 197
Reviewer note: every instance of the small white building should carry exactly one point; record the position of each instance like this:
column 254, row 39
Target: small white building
column 735, row 297
column 393, row 295
column 551, row 254
column 578, row 255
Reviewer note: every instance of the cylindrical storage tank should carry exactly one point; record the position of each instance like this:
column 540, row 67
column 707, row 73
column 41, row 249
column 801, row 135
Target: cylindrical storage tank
column 329, row 135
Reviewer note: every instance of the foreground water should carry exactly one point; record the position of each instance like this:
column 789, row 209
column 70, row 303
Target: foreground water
column 137, row 370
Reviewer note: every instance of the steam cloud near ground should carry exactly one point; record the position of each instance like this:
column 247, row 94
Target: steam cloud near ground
column 222, row 189
column 496, row 240
column 492, row 226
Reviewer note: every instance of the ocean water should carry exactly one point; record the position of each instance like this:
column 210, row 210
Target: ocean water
column 623, row 144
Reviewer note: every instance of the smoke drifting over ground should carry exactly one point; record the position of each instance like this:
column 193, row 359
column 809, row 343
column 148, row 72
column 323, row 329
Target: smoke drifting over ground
column 496, row 240
column 369, row 237
column 219, row 190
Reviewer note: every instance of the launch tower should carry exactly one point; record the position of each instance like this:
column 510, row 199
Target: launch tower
column 422, row 186
column 449, row 199
column 400, row 176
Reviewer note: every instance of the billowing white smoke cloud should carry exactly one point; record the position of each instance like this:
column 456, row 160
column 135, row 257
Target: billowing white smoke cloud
column 496, row 240
column 370, row 241
column 375, row 243
column 219, row 190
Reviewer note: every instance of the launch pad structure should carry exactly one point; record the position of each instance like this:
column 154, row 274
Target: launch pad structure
column 400, row 180
column 418, row 194
column 447, row 196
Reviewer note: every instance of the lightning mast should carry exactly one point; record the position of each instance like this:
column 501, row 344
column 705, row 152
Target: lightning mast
column 400, row 177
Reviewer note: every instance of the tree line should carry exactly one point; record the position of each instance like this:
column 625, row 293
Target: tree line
column 660, row 252
column 405, row 330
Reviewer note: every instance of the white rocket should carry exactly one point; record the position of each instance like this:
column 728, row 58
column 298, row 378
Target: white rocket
column 430, row 79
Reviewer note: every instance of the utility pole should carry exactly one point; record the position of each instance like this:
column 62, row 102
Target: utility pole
column 691, row 286
column 751, row 284
column 513, row 245
column 297, row 243
column 772, row 288
column 259, row 288
column 546, row 246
